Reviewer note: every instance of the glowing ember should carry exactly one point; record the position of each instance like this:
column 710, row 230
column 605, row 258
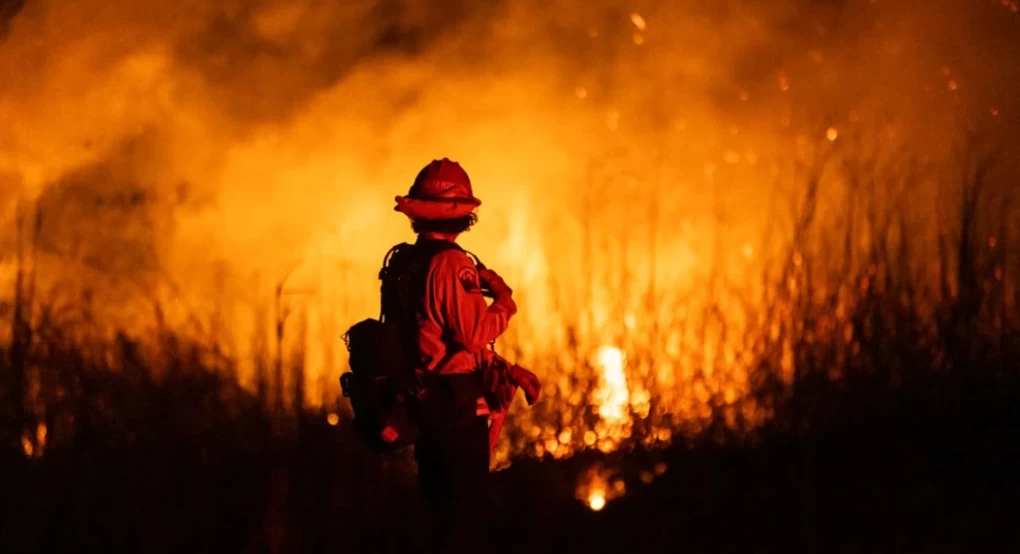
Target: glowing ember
column 784, row 84
column 597, row 486
column 34, row 448
column 333, row 419
column 40, row 437
column 638, row 21
column 832, row 134
column 748, row 251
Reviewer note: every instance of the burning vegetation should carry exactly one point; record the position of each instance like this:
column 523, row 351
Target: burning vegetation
column 714, row 213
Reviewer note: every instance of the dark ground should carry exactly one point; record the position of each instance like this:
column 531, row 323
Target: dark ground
column 146, row 471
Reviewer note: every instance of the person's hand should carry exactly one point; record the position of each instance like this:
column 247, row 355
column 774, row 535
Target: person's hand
column 527, row 381
column 494, row 282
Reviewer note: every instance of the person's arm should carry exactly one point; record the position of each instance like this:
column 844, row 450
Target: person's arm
column 455, row 296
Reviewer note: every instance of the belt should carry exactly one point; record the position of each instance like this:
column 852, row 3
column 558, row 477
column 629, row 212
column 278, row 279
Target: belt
column 456, row 381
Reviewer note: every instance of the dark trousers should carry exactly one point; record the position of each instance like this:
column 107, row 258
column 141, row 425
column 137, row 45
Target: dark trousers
column 453, row 465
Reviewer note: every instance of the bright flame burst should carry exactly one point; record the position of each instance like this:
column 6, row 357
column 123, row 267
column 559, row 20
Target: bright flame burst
column 612, row 395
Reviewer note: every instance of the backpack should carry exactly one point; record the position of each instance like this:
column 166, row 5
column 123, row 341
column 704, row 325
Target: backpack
column 386, row 385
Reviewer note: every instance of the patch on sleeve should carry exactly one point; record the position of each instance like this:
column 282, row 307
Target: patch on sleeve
column 468, row 278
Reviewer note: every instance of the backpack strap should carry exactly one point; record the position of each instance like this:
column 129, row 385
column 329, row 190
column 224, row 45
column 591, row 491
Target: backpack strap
column 385, row 265
column 403, row 275
column 478, row 262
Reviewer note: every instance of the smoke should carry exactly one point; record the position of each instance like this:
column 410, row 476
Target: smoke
column 198, row 155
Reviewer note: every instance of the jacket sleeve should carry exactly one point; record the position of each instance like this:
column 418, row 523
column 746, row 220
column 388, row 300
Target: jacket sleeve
column 454, row 295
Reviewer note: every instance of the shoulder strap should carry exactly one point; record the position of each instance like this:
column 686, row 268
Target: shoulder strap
column 478, row 262
column 383, row 274
column 403, row 275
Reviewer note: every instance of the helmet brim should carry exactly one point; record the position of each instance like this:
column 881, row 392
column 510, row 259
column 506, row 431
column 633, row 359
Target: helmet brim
column 417, row 208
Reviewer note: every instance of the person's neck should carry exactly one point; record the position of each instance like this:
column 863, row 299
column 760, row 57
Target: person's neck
column 431, row 235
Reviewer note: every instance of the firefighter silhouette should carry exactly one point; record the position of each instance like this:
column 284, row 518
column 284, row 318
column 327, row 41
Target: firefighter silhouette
column 468, row 385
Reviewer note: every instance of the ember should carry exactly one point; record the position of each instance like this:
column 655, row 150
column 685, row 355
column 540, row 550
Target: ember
column 598, row 485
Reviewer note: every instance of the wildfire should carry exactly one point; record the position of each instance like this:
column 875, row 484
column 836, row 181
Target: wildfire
column 622, row 185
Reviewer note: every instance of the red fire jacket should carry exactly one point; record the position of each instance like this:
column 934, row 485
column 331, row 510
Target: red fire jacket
column 458, row 323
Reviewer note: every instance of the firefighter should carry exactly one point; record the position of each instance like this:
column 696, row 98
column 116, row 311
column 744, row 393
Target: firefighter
column 455, row 324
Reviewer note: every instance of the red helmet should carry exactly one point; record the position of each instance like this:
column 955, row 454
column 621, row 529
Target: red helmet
column 442, row 190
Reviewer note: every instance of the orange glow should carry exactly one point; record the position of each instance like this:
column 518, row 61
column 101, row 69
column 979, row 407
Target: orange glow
column 638, row 21
column 613, row 120
column 237, row 194
column 612, row 395
column 597, row 486
column 27, row 446
column 40, row 437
